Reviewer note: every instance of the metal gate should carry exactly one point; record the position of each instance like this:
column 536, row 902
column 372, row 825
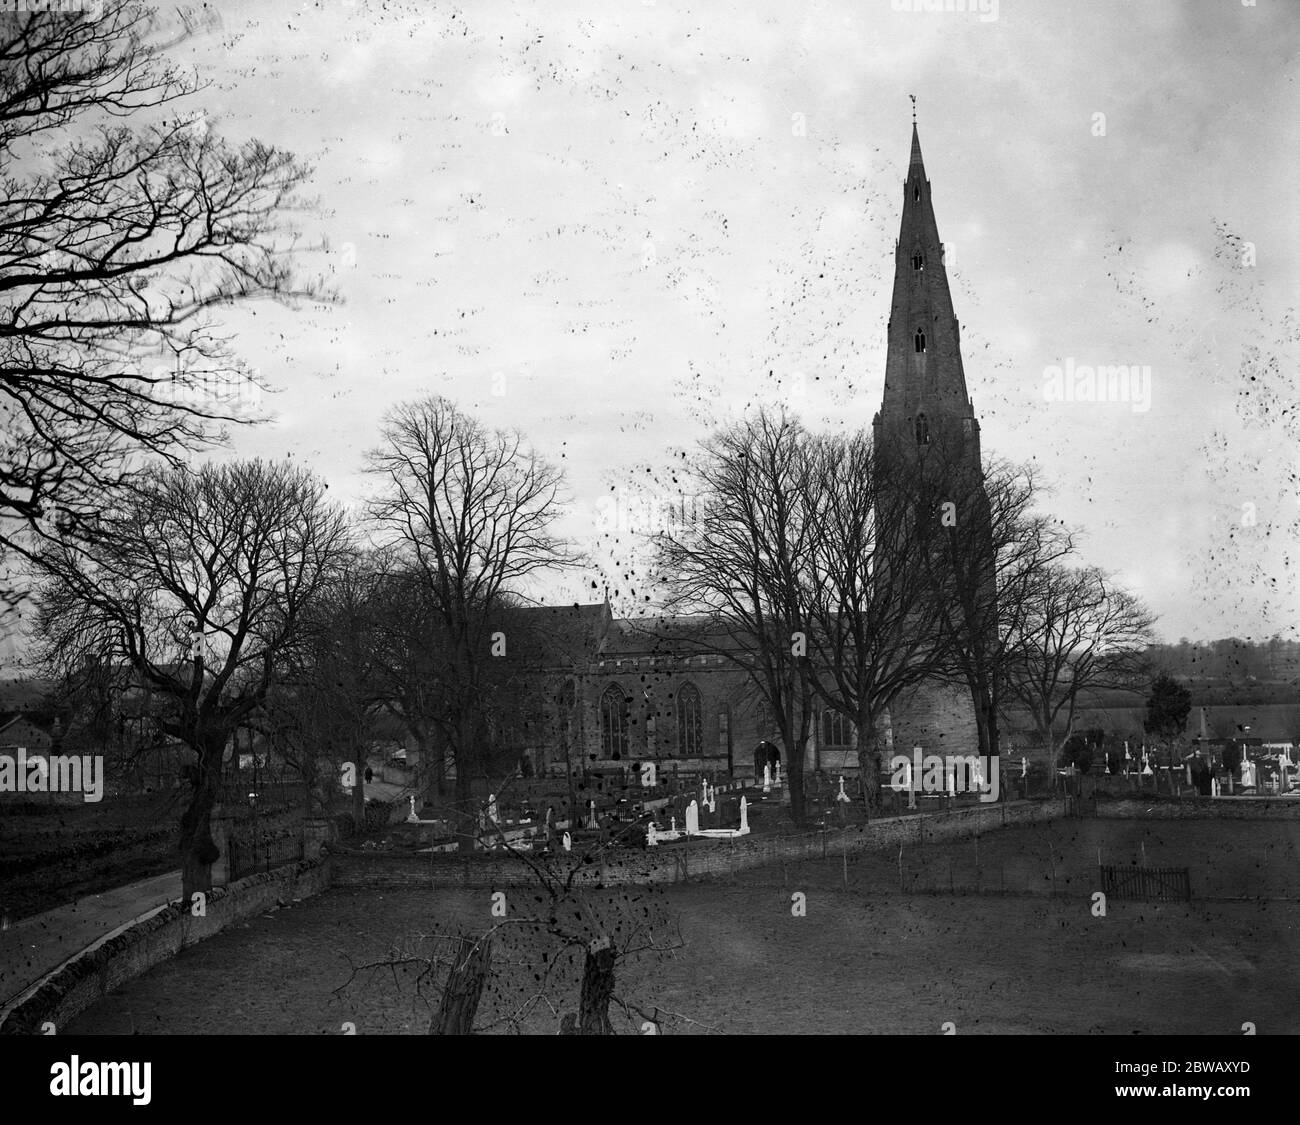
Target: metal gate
column 1147, row 884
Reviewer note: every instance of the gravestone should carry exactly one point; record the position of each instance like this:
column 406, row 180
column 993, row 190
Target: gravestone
column 692, row 818
column 744, row 815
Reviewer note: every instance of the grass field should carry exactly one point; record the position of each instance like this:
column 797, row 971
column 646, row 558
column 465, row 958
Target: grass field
column 866, row 959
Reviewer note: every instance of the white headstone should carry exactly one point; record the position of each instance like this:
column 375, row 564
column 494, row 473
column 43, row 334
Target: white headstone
column 412, row 818
column 492, row 808
column 777, row 778
column 1024, row 766
column 672, row 824
column 692, row 818
column 744, row 815
column 651, row 838
column 767, row 778
column 568, row 841
column 592, row 822
column 841, row 795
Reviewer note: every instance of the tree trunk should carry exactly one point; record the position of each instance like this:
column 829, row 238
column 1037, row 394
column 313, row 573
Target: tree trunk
column 869, row 751
column 198, row 851
column 597, row 988
column 466, row 813
column 464, row 988
column 359, row 788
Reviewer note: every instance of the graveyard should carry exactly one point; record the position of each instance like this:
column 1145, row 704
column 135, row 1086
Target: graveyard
column 896, row 941
column 628, row 815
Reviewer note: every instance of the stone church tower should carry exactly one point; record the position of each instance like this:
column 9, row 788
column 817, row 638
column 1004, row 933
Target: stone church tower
column 927, row 421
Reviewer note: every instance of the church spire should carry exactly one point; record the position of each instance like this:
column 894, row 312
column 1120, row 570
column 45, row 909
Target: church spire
column 925, row 383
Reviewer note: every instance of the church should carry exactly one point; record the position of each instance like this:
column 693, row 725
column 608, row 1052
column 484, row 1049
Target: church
column 661, row 689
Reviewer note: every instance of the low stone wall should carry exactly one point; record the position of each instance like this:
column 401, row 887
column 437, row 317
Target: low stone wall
column 674, row 863
column 1201, row 808
column 77, row 985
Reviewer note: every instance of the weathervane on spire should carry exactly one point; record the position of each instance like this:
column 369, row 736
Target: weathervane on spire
column 913, row 97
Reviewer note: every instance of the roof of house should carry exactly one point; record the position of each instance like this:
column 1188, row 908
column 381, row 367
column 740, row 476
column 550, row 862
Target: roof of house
column 23, row 727
column 24, row 693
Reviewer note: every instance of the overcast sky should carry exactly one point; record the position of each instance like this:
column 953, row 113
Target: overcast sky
column 637, row 217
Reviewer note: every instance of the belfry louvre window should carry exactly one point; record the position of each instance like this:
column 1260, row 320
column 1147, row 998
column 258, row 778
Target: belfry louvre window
column 922, row 430
column 690, row 722
column 918, row 261
column 920, row 340
column 916, row 191
column 613, row 723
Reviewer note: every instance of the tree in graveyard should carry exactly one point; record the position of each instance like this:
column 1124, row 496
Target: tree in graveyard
column 563, row 950
column 1076, row 633
column 1167, row 709
column 471, row 512
column 1077, row 751
column 985, row 548
column 198, row 584
column 320, row 713
column 407, row 653
column 125, row 224
column 743, row 562
column 875, row 629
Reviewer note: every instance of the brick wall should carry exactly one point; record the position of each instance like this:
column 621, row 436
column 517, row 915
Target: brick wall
column 678, row 862
column 80, row 983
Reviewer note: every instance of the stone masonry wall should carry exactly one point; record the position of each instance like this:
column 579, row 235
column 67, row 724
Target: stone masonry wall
column 80, row 983
column 677, row 863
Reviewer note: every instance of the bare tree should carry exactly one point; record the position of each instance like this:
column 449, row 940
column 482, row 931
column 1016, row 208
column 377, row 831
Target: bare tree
column 560, row 932
column 118, row 241
column 743, row 561
column 198, row 583
column 875, row 625
column 471, row 511
column 984, row 548
column 1077, row 633
column 325, row 705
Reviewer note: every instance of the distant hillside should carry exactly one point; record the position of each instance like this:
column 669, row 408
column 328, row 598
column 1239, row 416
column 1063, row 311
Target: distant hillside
column 1272, row 722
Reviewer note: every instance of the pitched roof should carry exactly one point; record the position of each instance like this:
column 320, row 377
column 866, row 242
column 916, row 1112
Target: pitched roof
column 665, row 635
column 562, row 634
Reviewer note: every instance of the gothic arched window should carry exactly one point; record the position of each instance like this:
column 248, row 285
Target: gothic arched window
column 916, row 191
column 920, row 340
column 613, row 722
column 918, row 261
column 690, row 722
column 837, row 730
column 922, row 430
